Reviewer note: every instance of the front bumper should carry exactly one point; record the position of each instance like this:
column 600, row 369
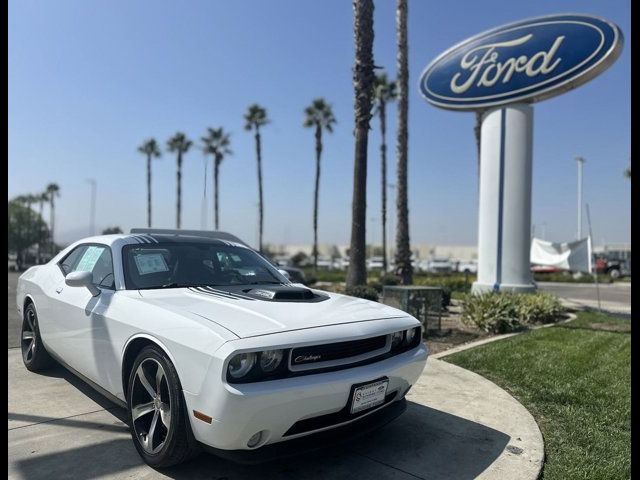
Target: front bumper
column 334, row 437
column 281, row 409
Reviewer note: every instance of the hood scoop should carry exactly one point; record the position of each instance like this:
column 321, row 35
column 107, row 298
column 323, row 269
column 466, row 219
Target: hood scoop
column 284, row 293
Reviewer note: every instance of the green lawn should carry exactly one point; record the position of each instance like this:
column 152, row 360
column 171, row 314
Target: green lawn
column 575, row 379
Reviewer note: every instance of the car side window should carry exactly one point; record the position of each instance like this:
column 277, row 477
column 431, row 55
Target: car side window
column 91, row 258
column 69, row 263
column 103, row 270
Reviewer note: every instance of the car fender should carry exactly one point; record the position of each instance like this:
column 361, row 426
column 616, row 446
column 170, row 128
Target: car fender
column 191, row 371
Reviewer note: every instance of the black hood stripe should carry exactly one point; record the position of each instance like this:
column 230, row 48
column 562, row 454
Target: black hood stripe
column 233, row 294
column 219, row 293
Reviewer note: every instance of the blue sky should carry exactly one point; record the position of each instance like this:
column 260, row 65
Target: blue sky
column 89, row 81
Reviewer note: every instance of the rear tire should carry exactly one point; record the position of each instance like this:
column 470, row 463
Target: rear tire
column 34, row 355
column 614, row 273
column 161, row 430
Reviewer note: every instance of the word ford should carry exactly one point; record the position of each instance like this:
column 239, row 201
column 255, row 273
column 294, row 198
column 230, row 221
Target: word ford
column 488, row 70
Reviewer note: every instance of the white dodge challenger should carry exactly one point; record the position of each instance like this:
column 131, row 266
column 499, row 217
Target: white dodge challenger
column 207, row 344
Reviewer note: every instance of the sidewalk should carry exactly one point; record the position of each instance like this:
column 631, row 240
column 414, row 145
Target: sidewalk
column 457, row 425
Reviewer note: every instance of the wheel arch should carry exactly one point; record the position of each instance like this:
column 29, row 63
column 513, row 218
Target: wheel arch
column 131, row 350
column 28, row 299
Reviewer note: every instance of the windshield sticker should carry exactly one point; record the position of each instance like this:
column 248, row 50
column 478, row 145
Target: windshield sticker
column 89, row 259
column 150, row 263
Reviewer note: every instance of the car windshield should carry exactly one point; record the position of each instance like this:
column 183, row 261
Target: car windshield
column 191, row 264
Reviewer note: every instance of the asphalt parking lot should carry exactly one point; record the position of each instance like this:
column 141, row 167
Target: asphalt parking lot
column 614, row 297
column 457, row 425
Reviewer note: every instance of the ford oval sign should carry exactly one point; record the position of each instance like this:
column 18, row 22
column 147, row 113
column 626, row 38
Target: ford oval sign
column 526, row 61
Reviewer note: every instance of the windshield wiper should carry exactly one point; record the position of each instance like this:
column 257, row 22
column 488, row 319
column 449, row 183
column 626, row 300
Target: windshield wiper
column 265, row 282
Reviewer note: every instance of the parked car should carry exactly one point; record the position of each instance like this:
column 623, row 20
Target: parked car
column 13, row 262
column 205, row 343
column 341, row 263
column 614, row 267
column 295, row 275
column 282, row 260
column 374, row 263
column 324, row 263
column 436, row 265
column 470, row 266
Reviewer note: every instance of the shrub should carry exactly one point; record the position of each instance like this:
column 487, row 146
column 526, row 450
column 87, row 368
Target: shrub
column 362, row 291
column 501, row 312
column 538, row 308
column 379, row 283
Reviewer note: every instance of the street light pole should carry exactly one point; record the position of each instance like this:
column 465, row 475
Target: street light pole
column 580, row 161
column 92, row 215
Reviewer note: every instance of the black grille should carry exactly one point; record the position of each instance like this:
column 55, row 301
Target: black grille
column 336, row 351
column 323, row 421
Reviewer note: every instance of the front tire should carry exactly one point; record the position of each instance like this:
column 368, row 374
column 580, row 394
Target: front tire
column 34, row 356
column 158, row 418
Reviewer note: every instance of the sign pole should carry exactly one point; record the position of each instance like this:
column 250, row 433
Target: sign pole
column 504, row 223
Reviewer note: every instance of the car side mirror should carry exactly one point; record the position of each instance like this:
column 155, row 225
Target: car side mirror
column 82, row 279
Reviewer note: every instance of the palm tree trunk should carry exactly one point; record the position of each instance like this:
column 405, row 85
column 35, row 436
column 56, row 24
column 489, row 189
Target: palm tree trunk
column 403, row 248
column 149, row 190
column 315, row 197
column 39, row 235
column 476, row 132
column 179, row 192
column 363, row 78
column 216, row 170
column 383, row 158
column 52, row 216
column 260, row 206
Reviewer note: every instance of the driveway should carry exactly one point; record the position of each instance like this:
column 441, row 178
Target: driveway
column 457, row 425
column 614, row 297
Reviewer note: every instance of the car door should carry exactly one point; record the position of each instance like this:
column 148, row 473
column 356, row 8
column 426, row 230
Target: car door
column 82, row 338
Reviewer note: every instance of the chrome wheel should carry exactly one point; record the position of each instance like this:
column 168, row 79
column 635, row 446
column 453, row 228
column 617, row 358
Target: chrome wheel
column 28, row 338
column 151, row 406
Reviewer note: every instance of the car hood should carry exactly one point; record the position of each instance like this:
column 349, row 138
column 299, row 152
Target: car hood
column 249, row 317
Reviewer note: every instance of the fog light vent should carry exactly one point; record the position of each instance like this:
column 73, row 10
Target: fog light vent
column 254, row 440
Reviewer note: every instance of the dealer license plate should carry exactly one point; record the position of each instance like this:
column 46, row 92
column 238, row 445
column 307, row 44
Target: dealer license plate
column 369, row 396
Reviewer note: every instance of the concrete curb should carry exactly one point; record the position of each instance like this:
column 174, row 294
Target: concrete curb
column 477, row 343
column 465, row 394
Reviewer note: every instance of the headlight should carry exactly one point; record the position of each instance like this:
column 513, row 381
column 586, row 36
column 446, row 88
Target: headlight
column 241, row 364
column 396, row 339
column 410, row 335
column 270, row 360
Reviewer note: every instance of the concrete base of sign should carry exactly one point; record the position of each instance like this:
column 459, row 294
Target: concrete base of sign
column 504, row 224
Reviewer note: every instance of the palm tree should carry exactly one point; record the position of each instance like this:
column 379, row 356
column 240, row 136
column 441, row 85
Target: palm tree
column 216, row 143
column 42, row 199
column 255, row 118
column 384, row 92
column 180, row 145
column 403, row 248
column 52, row 191
column 150, row 149
column 363, row 79
column 318, row 115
